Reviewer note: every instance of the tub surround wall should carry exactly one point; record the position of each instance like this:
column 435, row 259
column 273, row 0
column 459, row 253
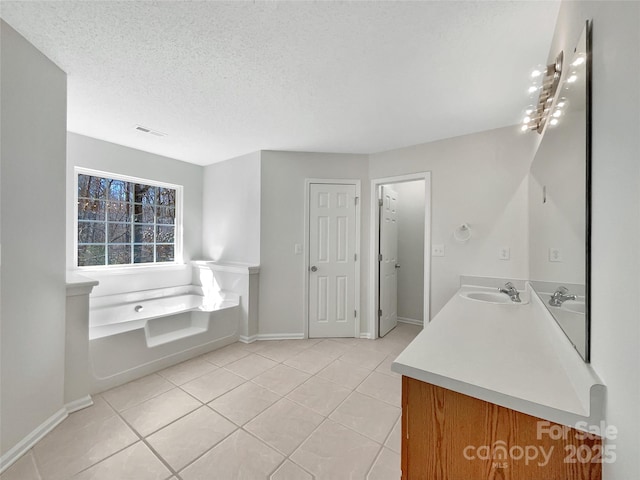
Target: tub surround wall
column 479, row 179
column 615, row 340
column 231, row 210
column 100, row 155
column 32, row 356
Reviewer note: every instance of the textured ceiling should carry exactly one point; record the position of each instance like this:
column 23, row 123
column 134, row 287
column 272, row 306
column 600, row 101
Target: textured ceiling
column 222, row 79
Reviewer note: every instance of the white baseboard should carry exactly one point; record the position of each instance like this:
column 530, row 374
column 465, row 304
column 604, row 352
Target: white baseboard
column 79, row 404
column 245, row 339
column 410, row 321
column 280, row 336
column 367, row 336
column 27, row 443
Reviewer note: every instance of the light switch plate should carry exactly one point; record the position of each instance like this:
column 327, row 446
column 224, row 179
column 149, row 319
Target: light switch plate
column 555, row 255
column 437, row 250
column 504, row 253
column 297, row 249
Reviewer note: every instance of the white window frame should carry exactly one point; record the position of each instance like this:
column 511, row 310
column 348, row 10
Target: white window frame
column 178, row 258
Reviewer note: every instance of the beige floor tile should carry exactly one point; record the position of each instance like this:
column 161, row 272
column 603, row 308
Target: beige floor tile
column 186, row 439
column 383, row 387
column 212, row 385
column 281, row 379
column 320, row 395
column 290, row 471
column 24, row 469
column 367, row 416
column 245, row 402
column 330, row 348
column 136, row 462
column 96, row 413
column 344, row 373
column 63, row 453
column 394, row 439
column 284, row 425
column 281, row 350
column 386, row 466
column 187, row 371
column 385, row 366
column 160, row 411
column 250, row 366
column 240, row 456
column 364, row 357
column 333, row 452
column 309, row 361
column 136, row 392
column 228, row 354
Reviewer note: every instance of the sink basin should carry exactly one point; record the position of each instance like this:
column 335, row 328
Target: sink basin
column 487, row 297
column 574, row 306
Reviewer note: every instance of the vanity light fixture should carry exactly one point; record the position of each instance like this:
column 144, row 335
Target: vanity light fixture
column 536, row 116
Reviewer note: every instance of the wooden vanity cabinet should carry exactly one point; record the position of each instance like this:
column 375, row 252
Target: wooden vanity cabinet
column 450, row 436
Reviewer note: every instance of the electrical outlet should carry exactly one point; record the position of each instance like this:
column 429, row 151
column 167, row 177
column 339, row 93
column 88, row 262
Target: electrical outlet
column 555, row 255
column 297, row 249
column 437, row 250
column 504, row 253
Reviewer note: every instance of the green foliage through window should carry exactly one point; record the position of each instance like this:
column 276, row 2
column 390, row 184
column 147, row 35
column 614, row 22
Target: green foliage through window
column 122, row 222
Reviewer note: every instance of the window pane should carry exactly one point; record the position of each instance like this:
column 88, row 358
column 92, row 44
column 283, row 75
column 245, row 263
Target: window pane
column 166, row 215
column 164, row 253
column 91, row 187
column 91, row 232
column 90, row 255
column 90, row 209
column 119, row 190
column 165, row 235
column 119, row 212
column 145, row 194
column 143, row 254
column 119, row 254
column 166, row 197
column 143, row 213
column 119, row 233
column 143, row 233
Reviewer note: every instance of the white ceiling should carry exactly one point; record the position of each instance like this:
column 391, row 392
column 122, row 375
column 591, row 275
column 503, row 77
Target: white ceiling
column 227, row 78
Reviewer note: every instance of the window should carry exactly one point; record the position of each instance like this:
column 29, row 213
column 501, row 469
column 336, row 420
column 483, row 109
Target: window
column 126, row 221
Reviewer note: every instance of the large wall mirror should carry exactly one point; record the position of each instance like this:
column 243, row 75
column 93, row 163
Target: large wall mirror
column 559, row 201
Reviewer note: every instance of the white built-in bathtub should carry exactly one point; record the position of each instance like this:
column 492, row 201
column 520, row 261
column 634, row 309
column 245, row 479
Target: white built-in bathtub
column 133, row 334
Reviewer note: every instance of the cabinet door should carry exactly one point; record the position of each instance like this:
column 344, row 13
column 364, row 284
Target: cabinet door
column 450, row 436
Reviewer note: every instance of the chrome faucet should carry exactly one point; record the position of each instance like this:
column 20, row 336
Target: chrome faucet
column 510, row 290
column 560, row 296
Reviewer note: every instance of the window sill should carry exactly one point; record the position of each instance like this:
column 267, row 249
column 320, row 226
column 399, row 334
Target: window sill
column 130, row 269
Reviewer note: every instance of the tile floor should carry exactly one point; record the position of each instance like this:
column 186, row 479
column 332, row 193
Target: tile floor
column 280, row 410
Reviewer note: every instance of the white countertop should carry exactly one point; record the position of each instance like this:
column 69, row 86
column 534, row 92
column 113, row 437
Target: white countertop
column 511, row 355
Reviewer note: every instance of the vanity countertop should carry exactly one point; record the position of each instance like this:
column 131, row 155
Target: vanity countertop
column 513, row 355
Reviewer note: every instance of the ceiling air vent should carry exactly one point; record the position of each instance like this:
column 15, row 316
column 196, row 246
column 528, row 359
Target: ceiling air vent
column 140, row 128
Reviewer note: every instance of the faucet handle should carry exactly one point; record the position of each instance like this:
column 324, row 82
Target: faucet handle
column 562, row 290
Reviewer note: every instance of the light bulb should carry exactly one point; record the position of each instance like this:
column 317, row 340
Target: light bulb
column 578, row 61
column 562, row 102
column 532, row 89
column 526, row 119
column 572, row 78
column 554, row 121
column 557, row 113
column 524, row 128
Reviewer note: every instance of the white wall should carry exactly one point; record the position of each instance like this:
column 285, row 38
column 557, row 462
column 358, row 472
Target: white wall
column 231, row 210
column 281, row 304
column 410, row 249
column 34, row 103
column 100, row 155
column 615, row 260
column 479, row 179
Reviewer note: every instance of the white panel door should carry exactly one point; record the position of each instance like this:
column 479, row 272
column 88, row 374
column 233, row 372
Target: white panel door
column 389, row 261
column 332, row 248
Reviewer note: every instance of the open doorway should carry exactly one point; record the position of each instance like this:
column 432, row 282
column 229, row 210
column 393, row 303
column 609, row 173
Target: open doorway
column 400, row 249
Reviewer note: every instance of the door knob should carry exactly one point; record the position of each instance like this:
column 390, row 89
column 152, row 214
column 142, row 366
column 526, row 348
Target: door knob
column 314, row 268
column 397, row 265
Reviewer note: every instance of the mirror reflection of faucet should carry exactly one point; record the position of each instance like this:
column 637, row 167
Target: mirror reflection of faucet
column 510, row 290
column 560, row 296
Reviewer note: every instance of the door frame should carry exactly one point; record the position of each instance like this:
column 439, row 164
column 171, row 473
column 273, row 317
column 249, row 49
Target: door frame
column 305, row 273
column 374, row 245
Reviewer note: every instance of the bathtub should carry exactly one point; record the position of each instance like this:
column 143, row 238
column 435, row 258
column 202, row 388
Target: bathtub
column 137, row 333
